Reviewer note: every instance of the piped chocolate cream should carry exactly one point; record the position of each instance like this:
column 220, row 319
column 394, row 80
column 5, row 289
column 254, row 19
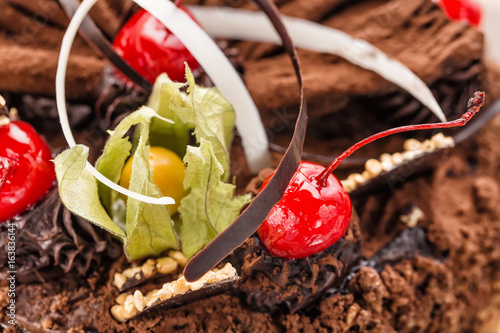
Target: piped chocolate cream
column 50, row 242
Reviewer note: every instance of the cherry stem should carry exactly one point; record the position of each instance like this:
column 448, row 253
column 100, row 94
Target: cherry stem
column 178, row 3
column 474, row 105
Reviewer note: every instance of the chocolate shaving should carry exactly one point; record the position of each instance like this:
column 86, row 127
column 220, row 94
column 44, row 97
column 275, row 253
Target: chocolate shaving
column 249, row 221
column 191, row 296
column 91, row 33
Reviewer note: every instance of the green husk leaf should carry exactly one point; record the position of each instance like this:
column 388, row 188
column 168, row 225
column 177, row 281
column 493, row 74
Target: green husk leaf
column 211, row 206
column 117, row 151
column 203, row 110
column 78, row 189
column 164, row 96
column 149, row 227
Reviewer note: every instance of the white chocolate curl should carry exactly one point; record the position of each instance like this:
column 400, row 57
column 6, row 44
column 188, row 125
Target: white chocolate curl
column 67, row 42
column 246, row 25
column 223, row 22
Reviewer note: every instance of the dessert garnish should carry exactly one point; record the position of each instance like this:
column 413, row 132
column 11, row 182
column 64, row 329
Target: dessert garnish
column 95, row 37
column 209, row 205
column 463, row 10
column 387, row 162
column 232, row 24
column 251, row 218
column 26, row 168
column 177, row 292
column 152, row 7
column 315, row 209
column 291, row 233
column 151, row 269
column 151, row 49
column 217, row 66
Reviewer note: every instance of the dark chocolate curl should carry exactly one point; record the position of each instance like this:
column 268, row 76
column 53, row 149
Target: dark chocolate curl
column 250, row 220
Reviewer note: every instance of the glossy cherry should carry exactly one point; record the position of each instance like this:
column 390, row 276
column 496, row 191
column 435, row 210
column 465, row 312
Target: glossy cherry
column 309, row 218
column 464, row 10
column 151, row 49
column 315, row 210
column 26, row 169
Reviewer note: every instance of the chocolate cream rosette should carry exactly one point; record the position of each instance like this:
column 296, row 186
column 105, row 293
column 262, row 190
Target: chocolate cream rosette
column 171, row 229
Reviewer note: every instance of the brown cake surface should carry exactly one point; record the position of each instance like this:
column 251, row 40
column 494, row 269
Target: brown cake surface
column 439, row 276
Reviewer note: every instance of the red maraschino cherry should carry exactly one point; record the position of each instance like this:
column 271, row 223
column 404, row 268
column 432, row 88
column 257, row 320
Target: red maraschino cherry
column 26, row 169
column 151, row 49
column 315, row 210
column 464, row 10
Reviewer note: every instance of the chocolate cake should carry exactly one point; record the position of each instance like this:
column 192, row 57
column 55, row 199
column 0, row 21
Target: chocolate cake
column 421, row 253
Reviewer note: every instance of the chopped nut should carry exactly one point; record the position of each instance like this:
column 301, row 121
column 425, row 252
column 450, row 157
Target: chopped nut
column 356, row 178
column 165, row 292
column 131, row 272
column 151, row 297
column 229, row 270
column 366, row 176
column 352, row 312
column 387, row 165
column 385, row 157
column 348, row 185
column 428, row 146
column 411, row 220
column 411, row 145
column 166, row 265
column 129, row 305
column 121, row 298
column 210, row 277
column 197, row 285
column 139, row 300
column 121, row 314
column 150, row 261
column 179, row 257
column 119, row 280
column 373, row 167
column 130, row 314
column 409, row 155
column 180, row 286
column 397, row 158
column 118, row 312
column 148, row 270
column 442, row 141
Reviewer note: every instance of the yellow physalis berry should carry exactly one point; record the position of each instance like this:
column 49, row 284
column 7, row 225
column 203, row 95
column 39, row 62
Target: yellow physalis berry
column 168, row 174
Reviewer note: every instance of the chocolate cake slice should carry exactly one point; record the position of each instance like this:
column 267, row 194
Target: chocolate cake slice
column 384, row 275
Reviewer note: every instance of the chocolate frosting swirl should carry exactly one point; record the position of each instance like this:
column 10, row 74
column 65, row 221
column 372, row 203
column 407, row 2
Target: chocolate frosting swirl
column 51, row 241
column 272, row 284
